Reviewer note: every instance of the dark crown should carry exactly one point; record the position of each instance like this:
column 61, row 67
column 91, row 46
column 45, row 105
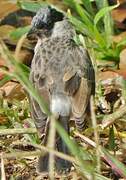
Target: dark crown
column 46, row 17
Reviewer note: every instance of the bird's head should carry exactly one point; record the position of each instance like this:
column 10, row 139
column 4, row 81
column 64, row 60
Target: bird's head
column 43, row 22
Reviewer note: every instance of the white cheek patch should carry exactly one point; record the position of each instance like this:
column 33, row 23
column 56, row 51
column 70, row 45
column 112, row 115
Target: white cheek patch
column 60, row 105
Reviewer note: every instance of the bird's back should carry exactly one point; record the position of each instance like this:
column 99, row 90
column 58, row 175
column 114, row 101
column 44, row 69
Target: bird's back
column 57, row 55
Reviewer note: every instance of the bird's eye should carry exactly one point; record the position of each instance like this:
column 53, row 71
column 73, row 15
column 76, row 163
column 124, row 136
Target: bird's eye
column 40, row 26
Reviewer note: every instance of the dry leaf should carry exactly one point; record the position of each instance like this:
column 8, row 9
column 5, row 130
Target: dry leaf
column 122, row 1
column 121, row 72
column 122, row 64
column 2, row 62
column 5, row 30
column 25, row 56
column 6, row 7
column 107, row 75
column 13, row 90
column 3, row 120
column 119, row 14
column 119, row 37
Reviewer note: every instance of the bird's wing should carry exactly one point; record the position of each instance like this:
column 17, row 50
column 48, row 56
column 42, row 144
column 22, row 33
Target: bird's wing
column 79, row 84
column 81, row 99
column 38, row 79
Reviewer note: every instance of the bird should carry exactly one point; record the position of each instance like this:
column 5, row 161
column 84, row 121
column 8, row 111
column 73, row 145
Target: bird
column 63, row 74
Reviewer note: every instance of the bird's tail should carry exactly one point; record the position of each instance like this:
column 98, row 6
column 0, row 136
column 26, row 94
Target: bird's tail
column 60, row 104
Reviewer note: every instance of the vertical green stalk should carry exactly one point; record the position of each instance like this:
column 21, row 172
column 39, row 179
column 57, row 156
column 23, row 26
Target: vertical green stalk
column 108, row 25
column 51, row 145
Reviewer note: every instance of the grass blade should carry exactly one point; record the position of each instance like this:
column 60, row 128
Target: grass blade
column 80, row 26
column 88, row 6
column 101, row 13
column 86, row 169
column 108, row 25
column 17, row 34
column 30, row 6
column 85, row 17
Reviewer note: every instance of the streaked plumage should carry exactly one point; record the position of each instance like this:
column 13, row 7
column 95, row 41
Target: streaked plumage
column 63, row 73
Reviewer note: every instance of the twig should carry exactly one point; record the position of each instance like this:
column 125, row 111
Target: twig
column 96, row 134
column 85, row 139
column 110, row 119
column 21, row 154
column 3, row 176
column 19, row 46
column 105, row 156
column 18, row 131
column 51, row 144
column 42, row 151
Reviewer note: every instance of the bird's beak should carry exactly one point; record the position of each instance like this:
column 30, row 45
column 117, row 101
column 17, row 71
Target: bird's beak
column 32, row 34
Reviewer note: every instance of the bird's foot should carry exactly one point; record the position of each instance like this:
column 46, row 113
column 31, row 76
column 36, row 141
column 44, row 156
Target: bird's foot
column 42, row 166
column 63, row 166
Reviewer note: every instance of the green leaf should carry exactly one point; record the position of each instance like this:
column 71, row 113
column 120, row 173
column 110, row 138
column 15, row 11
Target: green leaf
column 111, row 142
column 108, row 25
column 16, row 34
column 31, row 6
column 99, row 4
column 88, row 6
column 85, row 16
column 80, row 26
column 103, row 12
column 99, row 38
column 70, row 3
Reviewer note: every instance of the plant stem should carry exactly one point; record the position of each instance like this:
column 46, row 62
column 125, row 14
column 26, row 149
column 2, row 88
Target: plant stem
column 18, row 131
column 110, row 119
column 3, row 176
column 96, row 135
column 51, row 144
column 41, row 152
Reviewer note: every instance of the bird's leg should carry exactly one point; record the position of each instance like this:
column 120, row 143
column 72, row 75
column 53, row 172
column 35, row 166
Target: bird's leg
column 42, row 166
column 43, row 161
column 63, row 166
